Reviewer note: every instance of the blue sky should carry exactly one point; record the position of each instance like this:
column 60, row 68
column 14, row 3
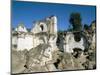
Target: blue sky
column 28, row 12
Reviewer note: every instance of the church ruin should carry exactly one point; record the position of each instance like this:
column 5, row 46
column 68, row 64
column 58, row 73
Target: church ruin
column 44, row 31
column 46, row 50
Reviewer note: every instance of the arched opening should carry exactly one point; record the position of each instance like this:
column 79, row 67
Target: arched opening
column 77, row 36
column 42, row 28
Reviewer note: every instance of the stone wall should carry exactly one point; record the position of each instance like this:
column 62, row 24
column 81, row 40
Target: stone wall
column 41, row 33
column 67, row 42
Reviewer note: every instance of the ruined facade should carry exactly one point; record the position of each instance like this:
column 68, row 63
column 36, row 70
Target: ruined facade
column 36, row 46
column 44, row 31
column 70, row 43
column 43, row 49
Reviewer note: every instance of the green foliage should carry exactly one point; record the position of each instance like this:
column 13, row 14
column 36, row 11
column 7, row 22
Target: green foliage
column 75, row 21
column 86, row 27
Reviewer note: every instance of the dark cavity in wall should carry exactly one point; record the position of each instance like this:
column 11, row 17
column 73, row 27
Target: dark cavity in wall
column 77, row 36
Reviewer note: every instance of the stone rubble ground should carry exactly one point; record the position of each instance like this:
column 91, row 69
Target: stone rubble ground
column 61, row 61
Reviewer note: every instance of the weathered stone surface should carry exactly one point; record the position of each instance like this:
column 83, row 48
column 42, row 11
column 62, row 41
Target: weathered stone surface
column 66, row 62
column 18, row 61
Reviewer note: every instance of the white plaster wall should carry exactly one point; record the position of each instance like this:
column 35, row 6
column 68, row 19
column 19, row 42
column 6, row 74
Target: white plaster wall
column 37, row 28
column 52, row 43
column 21, row 29
column 25, row 43
column 37, row 41
column 14, row 40
column 70, row 43
column 54, row 18
column 29, row 41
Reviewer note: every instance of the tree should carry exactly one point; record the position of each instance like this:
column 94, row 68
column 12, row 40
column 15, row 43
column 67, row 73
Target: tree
column 75, row 21
column 86, row 27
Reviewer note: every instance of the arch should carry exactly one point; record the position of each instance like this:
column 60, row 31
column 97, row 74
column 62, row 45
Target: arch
column 43, row 27
column 77, row 36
